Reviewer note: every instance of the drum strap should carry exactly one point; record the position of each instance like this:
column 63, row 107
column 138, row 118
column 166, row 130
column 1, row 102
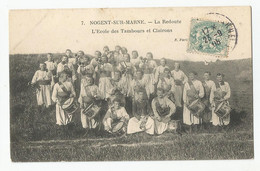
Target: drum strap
column 218, row 85
column 206, row 89
column 63, row 99
column 223, row 93
column 63, row 87
column 192, row 87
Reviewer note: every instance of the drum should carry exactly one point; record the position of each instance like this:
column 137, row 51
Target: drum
column 197, row 108
column 70, row 106
column 92, row 110
column 223, row 109
column 174, row 125
column 118, row 127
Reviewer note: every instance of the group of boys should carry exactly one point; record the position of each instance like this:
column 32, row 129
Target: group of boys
column 126, row 94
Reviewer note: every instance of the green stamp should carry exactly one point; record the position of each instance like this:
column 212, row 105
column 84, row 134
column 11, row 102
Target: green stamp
column 209, row 37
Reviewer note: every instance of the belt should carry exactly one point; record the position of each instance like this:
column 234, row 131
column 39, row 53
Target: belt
column 44, row 82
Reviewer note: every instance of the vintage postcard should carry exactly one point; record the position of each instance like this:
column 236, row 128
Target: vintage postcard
column 131, row 84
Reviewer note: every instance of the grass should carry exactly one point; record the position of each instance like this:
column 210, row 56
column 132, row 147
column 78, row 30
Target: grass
column 35, row 137
column 140, row 147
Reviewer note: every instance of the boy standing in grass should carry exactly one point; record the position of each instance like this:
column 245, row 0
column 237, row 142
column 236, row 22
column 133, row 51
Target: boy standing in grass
column 62, row 91
column 42, row 81
column 50, row 64
column 95, row 61
column 207, row 99
column 221, row 94
column 180, row 79
column 193, row 90
column 167, row 83
column 104, row 71
column 88, row 99
column 160, row 70
column 148, row 66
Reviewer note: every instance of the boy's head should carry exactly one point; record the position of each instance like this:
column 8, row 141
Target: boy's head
column 97, row 54
column 116, row 54
column 160, row 92
column 42, row 66
column 117, row 75
column 176, row 66
column 127, row 57
column 141, row 95
column 206, row 75
column 123, row 50
column 63, row 76
column 116, row 103
column 80, row 53
column 192, row 75
column 68, row 52
column 149, row 55
column 117, row 48
column 89, row 80
column 220, row 77
column 104, row 59
column 106, row 49
column 64, row 59
column 49, row 56
column 139, row 74
column 134, row 54
column 163, row 62
column 167, row 71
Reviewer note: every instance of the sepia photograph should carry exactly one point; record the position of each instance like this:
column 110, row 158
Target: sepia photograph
column 131, row 84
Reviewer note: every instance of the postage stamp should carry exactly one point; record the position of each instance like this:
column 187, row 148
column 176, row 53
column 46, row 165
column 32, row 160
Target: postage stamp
column 209, row 37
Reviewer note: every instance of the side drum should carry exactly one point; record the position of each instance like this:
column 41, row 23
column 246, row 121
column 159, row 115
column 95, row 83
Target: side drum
column 92, row 110
column 197, row 108
column 70, row 106
column 223, row 109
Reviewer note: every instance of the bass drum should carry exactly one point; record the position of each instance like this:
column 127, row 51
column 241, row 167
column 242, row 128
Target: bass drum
column 70, row 106
column 223, row 109
column 197, row 108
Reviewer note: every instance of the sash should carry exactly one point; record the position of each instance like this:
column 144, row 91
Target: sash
column 44, row 82
column 219, row 94
column 192, row 92
column 88, row 99
column 217, row 84
column 178, row 82
column 206, row 89
column 63, row 96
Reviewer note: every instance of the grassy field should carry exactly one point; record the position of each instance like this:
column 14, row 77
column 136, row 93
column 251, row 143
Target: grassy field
column 35, row 137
